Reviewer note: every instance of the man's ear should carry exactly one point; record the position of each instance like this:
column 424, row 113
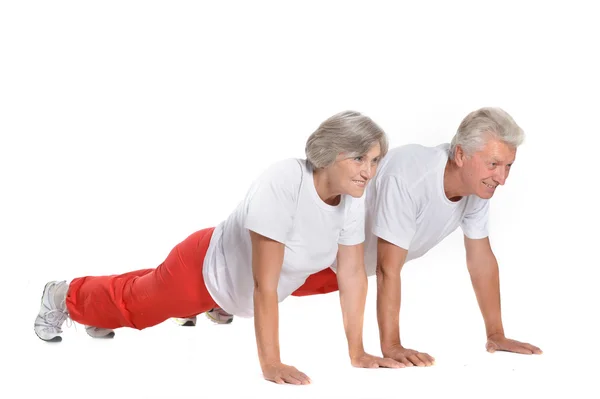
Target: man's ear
column 459, row 156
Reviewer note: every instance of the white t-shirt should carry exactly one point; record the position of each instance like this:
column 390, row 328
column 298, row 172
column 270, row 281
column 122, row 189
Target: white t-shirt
column 406, row 204
column 283, row 205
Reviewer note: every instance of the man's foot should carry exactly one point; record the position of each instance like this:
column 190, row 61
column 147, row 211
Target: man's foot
column 185, row 321
column 97, row 332
column 53, row 312
column 219, row 316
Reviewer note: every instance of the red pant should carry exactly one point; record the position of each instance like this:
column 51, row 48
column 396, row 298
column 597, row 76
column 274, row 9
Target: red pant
column 322, row 282
column 147, row 297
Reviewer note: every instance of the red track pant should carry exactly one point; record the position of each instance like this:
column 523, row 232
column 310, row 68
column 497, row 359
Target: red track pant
column 147, row 297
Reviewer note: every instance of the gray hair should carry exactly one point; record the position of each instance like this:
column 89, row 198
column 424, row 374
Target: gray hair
column 482, row 124
column 347, row 132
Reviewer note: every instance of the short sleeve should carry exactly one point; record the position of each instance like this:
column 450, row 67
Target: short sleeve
column 394, row 216
column 271, row 202
column 353, row 232
column 475, row 221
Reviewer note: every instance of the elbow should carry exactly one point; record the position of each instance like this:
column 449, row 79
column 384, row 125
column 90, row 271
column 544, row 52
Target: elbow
column 352, row 272
column 352, row 278
column 482, row 269
column 385, row 270
column 379, row 274
column 262, row 288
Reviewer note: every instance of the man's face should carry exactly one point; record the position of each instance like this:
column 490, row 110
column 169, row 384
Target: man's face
column 487, row 168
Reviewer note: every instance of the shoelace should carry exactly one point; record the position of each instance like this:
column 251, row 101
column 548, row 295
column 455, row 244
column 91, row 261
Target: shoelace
column 59, row 317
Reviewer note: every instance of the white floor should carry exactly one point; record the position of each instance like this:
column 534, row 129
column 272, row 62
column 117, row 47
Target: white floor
column 439, row 316
column 548, row 299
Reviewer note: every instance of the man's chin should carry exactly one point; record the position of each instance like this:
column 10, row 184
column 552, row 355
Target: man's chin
column 485, row 196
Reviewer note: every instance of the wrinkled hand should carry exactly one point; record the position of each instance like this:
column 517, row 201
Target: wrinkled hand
column 365, row 360
column 501, row 343
column 409, row 357
column 282, row 374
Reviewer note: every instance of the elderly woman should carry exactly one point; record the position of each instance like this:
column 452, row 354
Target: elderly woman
column 296, row 219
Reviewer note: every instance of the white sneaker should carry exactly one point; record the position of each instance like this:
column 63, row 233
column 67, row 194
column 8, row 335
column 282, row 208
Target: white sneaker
column 219, row 316
column 53, row 312
column 97, row 332
column 185, row 322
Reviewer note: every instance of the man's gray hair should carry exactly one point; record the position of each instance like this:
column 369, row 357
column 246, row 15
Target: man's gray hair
column 347, row 132
column 482, row 124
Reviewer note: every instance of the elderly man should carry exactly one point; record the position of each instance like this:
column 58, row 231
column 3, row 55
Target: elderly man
column 422, row 194
column 419, row 196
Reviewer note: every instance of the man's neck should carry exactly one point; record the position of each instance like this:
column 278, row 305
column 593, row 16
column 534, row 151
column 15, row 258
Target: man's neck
column 453, row 184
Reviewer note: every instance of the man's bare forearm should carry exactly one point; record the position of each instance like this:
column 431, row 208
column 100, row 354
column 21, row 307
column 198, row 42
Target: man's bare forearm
column 486, row 284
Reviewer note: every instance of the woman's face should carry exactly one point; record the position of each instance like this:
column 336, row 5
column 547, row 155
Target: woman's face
column 353, row 174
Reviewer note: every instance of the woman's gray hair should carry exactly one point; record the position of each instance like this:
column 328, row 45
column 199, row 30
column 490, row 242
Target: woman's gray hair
column 347, row 132
column 482, row 124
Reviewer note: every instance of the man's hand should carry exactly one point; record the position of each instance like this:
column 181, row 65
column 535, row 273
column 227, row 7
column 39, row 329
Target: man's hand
column 372, row 362
column 282, row 374
column 499, row 342
column 409, row 357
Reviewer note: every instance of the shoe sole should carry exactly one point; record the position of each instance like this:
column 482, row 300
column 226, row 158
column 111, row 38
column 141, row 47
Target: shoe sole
column 218, row 321
column 188, row 323
column 57, row 338
column 107, row 336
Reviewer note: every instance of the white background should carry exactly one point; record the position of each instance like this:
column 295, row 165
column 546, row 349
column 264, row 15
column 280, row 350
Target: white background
column 125, row 126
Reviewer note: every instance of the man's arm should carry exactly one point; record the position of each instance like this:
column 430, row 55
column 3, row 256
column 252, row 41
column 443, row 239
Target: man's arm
column 390, row 259
column 483, row 269
column 353, row 284
column 267, row 259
